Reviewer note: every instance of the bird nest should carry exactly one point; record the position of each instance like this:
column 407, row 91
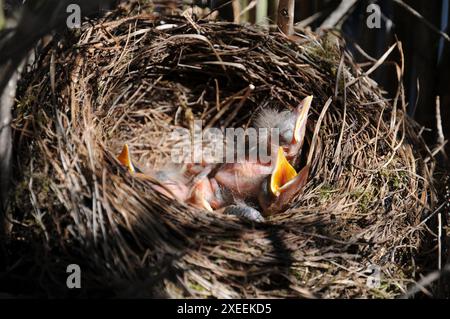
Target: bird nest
column 133, row 78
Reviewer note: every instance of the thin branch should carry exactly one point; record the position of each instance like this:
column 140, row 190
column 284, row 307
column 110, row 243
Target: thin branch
column 341, row 11
column 249, row 7
column 440, row 131
column 6, row 103
column 236, row 11
column 427, row 281
column 307, row 21
column 285, row 18
column 379, row 62
column 421, row 18
column 439, row 241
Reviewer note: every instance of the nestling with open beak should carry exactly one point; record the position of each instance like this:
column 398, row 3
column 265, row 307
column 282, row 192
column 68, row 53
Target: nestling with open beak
column 273, row 184
column 173, row 184
column 291, row 126
column 202, row 192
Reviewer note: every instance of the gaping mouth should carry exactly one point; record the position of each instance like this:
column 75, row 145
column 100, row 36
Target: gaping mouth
column 285, row 181
column 282, row 174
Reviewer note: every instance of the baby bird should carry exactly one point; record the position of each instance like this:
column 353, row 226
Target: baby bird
column 172, row 183
column 278, row 189
column 291, row 126
column 273, row 184
column 202, row 192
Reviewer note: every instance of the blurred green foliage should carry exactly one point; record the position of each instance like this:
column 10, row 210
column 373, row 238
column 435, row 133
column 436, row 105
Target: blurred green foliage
column 2, row 16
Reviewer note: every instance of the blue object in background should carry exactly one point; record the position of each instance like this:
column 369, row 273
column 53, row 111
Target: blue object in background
column 444, row 28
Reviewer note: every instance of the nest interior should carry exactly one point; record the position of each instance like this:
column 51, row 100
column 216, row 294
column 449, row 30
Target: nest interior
column 126, row 79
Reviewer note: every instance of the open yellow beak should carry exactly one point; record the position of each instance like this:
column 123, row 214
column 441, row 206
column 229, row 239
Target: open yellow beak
column 125, row 159
column 302, row 117
column 282, row 173
column 200, row 201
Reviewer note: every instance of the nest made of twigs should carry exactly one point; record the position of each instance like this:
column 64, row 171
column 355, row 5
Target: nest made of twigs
column 123, row 79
